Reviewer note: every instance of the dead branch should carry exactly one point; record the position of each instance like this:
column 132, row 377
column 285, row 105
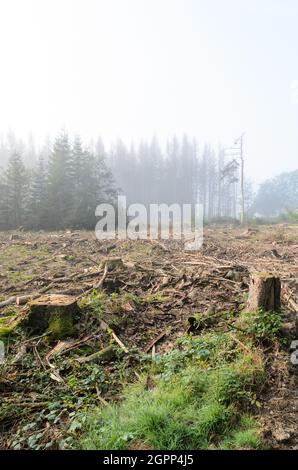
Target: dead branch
column 154, row 341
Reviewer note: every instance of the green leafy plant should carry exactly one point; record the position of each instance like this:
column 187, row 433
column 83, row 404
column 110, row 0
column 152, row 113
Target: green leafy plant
column 265, row 327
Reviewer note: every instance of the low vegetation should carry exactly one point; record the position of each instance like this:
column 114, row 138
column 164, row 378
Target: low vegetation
column 200, row 395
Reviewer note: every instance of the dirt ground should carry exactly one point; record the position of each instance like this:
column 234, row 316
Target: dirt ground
column 171, row 286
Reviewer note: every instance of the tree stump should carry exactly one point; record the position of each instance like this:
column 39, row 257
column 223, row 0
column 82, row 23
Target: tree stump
column 264, row 293
column 113, row 263
column 53, row 313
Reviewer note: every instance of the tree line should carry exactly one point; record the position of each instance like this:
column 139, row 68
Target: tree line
column 277, row 196
column 182, row 173
column 68, row 180
column 61, row 190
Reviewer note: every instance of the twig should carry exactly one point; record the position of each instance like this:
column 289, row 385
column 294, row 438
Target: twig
column 36, row 353
column 240, row 343
column 105, row 327
column 236, row 327
column 96, row 286
column 30, row 340
column 94, row 261
column 100, row 282
column 103, row 401
column 154, row 341
column 122, row 346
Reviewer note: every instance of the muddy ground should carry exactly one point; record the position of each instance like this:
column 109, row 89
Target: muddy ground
column 163, row 287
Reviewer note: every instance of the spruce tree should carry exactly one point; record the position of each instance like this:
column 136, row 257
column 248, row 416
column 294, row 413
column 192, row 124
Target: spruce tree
column 97, row 187
column 3, row 203
column 37, row 209
column 60, row 183
column 16, row 186
column 79, row 182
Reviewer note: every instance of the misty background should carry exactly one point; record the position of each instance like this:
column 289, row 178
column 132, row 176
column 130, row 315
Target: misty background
column 154, row 87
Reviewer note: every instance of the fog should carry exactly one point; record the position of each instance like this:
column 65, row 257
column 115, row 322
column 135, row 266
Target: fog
column 138, row 68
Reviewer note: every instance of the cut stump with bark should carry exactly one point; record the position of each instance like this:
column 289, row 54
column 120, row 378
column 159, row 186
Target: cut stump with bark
column 53, row 313
column 264, row 293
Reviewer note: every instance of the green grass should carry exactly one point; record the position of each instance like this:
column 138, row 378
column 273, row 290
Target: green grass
column 199, row 397
column 16, row 250
column 246, row 437
column 19, row 276
column 13, row 256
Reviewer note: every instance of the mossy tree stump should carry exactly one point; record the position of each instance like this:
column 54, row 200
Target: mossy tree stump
column 53, row 313
column 264, row 293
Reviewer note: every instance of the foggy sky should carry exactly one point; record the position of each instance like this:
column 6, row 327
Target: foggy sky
column 135, row 68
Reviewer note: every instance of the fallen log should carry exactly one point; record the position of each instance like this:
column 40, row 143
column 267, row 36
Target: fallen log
column 10, row 301
column 18, row 300
column 24, row 299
